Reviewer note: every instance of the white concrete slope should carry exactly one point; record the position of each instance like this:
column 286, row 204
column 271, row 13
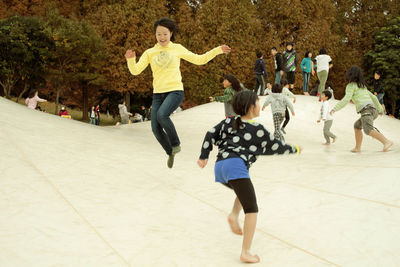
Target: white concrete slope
column 73, row 194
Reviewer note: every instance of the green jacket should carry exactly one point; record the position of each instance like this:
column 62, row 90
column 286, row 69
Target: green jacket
column 227, row 99
column 360, row 96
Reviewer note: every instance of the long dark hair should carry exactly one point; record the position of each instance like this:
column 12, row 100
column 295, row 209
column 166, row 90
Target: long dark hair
column 306, row 55
column 241, row 104
column 354, row 75
column 235, row 83
column 169, row 24
column 32, row 93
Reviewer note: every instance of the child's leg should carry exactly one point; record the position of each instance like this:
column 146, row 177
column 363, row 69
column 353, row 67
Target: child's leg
column 381, row 138
column 368, row 115
column 277, row 117
column 233, row 217
column 358, row 136
column 245, row 192
column 327, row 131
column 287, row 118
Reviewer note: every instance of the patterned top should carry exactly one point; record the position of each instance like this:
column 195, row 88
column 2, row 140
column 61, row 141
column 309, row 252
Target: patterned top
column 250, row 141
column 291, row 60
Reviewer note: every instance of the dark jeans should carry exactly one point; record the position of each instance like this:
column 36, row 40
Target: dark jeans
column 306, row 81
column 259, row 83
column 163, row 128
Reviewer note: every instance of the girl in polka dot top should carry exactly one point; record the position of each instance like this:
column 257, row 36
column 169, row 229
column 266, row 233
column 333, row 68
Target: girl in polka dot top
column 240, row 141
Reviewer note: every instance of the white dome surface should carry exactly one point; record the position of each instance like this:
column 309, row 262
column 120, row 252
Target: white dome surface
column 74, row 194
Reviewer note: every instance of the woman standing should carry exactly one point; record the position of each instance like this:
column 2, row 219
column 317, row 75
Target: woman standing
column 324, row 63
column 164, row 59
column 307, row 67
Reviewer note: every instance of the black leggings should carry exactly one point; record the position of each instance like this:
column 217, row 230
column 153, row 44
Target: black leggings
column 244, row 190
column 287, row 118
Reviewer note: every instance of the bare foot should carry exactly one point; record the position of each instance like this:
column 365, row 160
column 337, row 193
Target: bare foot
column 247, row 257
column 326, row 144
column 356, row 150
column 334, row 139
column 387, row 146
column 234, row 224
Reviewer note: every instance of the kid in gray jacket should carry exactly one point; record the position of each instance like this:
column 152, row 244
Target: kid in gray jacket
column 279, row 103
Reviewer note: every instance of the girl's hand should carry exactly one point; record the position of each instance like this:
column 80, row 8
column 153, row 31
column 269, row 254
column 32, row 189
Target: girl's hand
column 202, row 162
column 294, row 100
column 211, row 99
column 332, row 111
column 226, row 49
column 263, row 108
column 130, row 54
column 318, row 121
column 292, row 113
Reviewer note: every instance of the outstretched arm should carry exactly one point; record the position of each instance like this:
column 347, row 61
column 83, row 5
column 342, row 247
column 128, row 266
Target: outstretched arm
column 376, row 102
column 273, row 146
column 204, row 58
column 345, row 100
column 136, row 68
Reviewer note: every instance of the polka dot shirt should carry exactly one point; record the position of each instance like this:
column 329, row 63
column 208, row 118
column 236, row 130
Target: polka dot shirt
column 248, row 142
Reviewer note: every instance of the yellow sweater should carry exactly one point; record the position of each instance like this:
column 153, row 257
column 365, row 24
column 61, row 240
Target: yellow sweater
column 165, row 62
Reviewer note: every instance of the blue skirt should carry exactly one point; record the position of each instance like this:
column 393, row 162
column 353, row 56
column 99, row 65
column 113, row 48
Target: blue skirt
column 230, row 169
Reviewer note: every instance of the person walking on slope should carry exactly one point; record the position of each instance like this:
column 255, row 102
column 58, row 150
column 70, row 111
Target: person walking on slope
column 164, row 59
column 279, row 104
column 260, row 71
column 367, row 105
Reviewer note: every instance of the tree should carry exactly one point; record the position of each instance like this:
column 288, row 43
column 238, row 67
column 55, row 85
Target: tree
column 213, row 23
column 78, row 55
column 384, row 56
column 125, row 24
column 25, row 50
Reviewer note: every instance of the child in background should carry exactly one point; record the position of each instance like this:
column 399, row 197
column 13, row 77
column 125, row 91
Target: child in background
column 307, row 67
column 327, row 117
column 286, row 92
column 92, row 116
column 366, row 104
column 33, row 99
column 232, row 86
column 378, row 88
column 240, row 141
column 279, row 104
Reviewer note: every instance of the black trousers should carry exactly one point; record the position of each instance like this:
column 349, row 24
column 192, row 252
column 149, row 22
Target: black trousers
column 287, row 118
column 244, row 190
column 259, row 83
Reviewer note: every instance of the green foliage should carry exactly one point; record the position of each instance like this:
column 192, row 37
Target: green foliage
column 79, row 52
column 25, row 50
column 385, row 57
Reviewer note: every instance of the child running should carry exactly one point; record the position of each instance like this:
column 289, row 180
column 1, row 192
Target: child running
column 164, row 59
column 366, row 104
column 286, row 92
column 232, row 86
column 240, row 141
column 327, row 117
column 279, row 103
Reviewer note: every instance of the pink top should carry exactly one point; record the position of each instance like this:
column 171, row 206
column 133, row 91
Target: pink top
column 32, row 102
